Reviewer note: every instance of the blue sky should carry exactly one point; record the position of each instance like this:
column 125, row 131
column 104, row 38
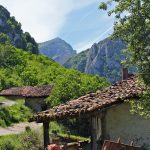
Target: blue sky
column 78, row 22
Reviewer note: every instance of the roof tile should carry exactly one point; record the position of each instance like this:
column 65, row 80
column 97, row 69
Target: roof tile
column 92, row 102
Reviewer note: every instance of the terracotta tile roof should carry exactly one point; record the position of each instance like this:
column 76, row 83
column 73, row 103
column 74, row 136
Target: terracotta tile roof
column 39, row 91
column 28, row 91
column 92, row 102
column 15, row 91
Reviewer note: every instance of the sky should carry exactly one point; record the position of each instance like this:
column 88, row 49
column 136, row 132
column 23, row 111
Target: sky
column 78, row 22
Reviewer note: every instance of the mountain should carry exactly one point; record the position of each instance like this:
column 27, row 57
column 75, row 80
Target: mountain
column 103, row 58
column 57, row 49
column 78, row 61
column 11, row 30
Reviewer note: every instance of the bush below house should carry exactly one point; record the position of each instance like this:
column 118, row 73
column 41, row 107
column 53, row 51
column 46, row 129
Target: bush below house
column 14, row 114
column 29, row 140
column 33, row 139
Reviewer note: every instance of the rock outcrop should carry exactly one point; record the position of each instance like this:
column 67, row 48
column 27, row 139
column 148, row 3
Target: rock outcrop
column 103, row 58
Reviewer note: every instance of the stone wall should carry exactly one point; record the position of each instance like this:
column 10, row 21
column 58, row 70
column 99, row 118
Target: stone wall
column 36, row 104
column 13, row 98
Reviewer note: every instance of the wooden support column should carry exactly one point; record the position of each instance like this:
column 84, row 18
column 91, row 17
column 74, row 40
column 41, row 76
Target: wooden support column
column 103, row 126
column 91, row 128
column 46, row 134
column 93, row 134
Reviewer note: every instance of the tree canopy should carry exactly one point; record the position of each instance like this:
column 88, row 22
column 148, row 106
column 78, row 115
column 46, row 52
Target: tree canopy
column 133, row 26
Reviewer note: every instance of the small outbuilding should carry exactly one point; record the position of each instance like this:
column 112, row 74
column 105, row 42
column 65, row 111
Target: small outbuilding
column 34, row 96
column 109, row 113
column 15, row 93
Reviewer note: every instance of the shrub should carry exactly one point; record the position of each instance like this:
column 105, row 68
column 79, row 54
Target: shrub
column 31, row 140
column 14, row 114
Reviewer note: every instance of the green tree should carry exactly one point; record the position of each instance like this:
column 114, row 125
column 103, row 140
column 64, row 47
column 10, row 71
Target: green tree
column 4, row 39
column 133, row 26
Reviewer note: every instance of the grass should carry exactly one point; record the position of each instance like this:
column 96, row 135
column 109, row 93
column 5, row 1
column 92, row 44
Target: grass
column 29, row 140
column 63, row 132
column 73, row 137
column 57, row 128
column 2, row 98
column 14, row 114
column 33, row 139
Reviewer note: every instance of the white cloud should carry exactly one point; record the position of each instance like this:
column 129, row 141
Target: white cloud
column 43, row 18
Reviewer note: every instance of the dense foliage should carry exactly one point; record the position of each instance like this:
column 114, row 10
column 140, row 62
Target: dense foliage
column 33, row 139
column 20, row 68
column 133, row 26
column 9, row 26
column 29, row 140
column 14, row 114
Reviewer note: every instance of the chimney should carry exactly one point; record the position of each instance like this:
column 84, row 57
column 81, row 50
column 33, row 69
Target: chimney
column 124, row 73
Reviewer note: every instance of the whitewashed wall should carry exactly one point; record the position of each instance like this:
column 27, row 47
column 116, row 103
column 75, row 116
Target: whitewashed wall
column 120, row 123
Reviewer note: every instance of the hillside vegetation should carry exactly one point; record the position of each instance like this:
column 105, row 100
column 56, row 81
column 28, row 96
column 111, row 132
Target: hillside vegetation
column 29, row 140
column 78, row 61
column 14, row 114
column 10, row 27
column 20, row 68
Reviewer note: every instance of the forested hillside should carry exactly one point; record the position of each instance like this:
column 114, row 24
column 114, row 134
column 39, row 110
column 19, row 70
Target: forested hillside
column 10, row 27
column 20, row 68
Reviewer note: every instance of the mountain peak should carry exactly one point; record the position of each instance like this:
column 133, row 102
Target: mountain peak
column 58, row 38
column 57, row 49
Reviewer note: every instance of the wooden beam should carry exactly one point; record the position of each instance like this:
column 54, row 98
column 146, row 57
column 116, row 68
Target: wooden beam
column 46, row 134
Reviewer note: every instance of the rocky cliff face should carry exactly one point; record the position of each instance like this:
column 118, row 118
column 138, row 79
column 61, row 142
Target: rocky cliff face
column 103, row 58
column 78, row 61
column 57, row 49
column 10, row 27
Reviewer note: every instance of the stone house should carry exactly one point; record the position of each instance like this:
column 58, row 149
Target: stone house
column 109, row 113
column 34, row 96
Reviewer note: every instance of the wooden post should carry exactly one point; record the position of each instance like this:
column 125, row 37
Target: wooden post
column 46, row 134
column 93, row 133
column 103, row 126
column 91, row 128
